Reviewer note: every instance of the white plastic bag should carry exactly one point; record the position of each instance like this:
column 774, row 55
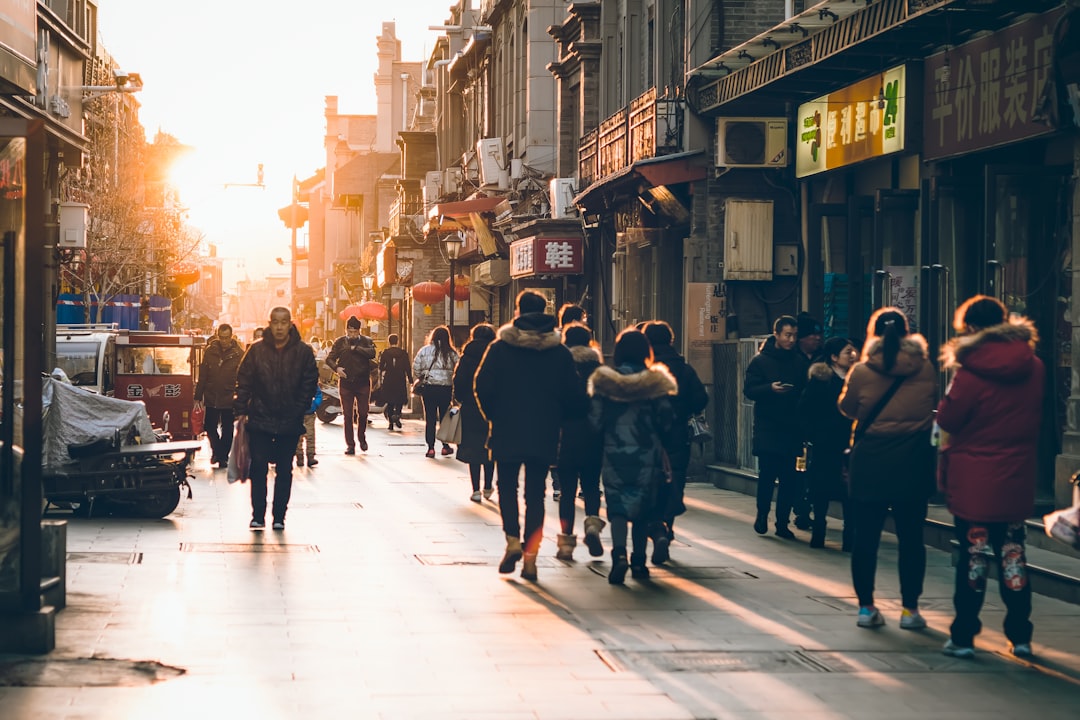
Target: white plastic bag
column 1064, row 525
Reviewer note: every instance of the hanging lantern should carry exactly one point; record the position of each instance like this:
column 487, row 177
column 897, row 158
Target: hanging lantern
column 350, row 311
column 428, row 293
column 395, row 311
column 307, row 323
column 184, row 274
column 461, row 287
column 372, row 310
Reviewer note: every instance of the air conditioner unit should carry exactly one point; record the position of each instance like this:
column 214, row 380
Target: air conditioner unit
column 561, row 193
column 451, row 182
column 492, row 160
column 432, row 187
column 751, row 142
column 469, row 168
column 492, row 273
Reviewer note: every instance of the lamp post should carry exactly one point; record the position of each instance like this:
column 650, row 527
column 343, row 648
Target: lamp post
column 294, row 216
column 453, row 245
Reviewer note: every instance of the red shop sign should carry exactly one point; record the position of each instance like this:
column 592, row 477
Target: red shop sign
column 546, row 256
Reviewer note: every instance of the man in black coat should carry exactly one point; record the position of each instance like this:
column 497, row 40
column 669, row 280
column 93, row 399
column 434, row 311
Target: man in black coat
column 774, row 381
column 274, row 386
column 350, row 358
column 214, row 391
column 526, row 387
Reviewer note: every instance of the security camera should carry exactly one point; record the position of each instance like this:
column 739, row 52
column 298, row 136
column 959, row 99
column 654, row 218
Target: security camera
column 120, row 77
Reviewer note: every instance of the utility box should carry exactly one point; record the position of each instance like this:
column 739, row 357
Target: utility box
column 73, row 217
column 786, row 260
column 748, row 239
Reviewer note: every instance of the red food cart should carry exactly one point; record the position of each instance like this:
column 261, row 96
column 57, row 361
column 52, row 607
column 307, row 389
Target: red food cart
column 161, row 370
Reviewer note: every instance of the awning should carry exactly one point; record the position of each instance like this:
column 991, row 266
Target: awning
column 673, row 169
column 466, row 214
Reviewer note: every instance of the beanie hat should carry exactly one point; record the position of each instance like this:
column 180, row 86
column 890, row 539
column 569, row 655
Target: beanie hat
column 354, row 322
column 806, row 326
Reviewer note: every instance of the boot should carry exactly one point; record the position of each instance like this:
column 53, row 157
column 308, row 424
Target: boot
column 661, row 546
column 567, row 543
column 817, row 536
column 619, row 566
column 761, row 523
column 593, row 526
column 511, row 556
column 528, row 567
column 638, row 570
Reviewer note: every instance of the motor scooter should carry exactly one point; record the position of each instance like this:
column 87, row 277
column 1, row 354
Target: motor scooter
column 330, row 407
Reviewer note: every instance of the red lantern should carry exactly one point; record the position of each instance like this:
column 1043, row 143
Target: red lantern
column 372, row 310
column 350, row 311
column 395, row 311
column 461, row 287
column 307, row 323
column 428, row 293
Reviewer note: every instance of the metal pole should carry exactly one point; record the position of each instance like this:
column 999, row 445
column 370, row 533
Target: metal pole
column 292, row 248
column 451, row 301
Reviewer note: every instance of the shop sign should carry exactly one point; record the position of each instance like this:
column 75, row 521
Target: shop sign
column 985, row 92
column 860, row 122
column 903, row 291
column 546, row 256
column 706, row 323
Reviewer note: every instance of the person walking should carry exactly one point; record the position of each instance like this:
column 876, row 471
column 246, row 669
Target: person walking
column 632, row 408
column 434, row 365
column 472, row 449
column 214, row 392
column 526, row 388
column 992, row 414
column 568, row 313
column 827, row 435
column 274, row 386
column 350, row 358
column 306, row 444
column 395, row 370
column 774, row 381
column 890, row 393
column 690, row 400
column 580, row 453
column 809, row 336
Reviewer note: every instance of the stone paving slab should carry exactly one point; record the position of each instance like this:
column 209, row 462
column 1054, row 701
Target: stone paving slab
column 381, row 600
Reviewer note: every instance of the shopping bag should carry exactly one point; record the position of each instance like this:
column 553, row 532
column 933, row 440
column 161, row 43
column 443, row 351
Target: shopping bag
column 1064, row 525
column 240, row 456
column 198, row 420
column 449, row 430
column 699, row 428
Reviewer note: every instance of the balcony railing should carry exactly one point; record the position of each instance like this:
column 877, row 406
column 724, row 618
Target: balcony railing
column 647, row 127
column 407, row 215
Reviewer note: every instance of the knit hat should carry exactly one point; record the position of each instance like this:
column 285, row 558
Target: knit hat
column 354, row 322
column 807, row 326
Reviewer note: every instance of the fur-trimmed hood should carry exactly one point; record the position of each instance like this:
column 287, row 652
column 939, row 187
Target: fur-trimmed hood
column 586, row 353
column 1005, row 352
column 821, row 371
column 914, row 353
column 648, row 384
column 532, row 331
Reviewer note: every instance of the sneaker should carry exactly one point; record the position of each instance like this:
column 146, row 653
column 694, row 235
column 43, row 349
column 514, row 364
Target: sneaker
column 363, row 443
column 784, row 533
column 869, row 617
column 556, row 495
column 430, row 453
column 761, row 525
column 257, row 525
column 279, row 525
column 958, row 651
column 312, row 462
column 476, row 497
column 488, row 492
column 661, row 549
column 912, row 620
column 447, row 450
column 1021, row 650
column 350, row 451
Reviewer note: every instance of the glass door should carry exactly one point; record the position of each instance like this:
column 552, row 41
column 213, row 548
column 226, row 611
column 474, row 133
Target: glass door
column 895, row 253
column 839, row 262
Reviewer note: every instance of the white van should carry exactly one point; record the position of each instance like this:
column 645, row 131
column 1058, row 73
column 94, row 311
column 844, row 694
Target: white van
column 87, row 353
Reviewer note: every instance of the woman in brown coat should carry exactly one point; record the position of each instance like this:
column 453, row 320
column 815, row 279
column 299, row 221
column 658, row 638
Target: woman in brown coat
column 892, row 463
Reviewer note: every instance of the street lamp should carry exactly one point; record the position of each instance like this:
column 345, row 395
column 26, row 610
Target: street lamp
column 369, row 282
column 453, row 244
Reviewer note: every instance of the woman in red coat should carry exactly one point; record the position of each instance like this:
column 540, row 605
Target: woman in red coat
column 991, row 413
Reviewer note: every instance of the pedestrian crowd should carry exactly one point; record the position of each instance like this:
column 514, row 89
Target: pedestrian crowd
column 831, row 423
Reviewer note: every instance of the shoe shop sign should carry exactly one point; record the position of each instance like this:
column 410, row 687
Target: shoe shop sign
column 860, row 122
column 546, row 256
column 986, row 92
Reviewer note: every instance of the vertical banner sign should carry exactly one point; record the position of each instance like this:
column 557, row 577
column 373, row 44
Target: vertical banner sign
column 706, row 323
column 903, row 291
column 860, row 122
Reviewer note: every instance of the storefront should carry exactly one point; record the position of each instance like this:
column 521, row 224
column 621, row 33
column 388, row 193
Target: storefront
column 548, row 257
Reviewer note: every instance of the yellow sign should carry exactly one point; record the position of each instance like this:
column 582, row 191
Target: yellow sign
column 862, row 121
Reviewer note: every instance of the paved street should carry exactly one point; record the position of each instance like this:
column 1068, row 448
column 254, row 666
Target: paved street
column 381, row 600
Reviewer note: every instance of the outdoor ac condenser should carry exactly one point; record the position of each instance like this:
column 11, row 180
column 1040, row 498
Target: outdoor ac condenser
column 751, row 142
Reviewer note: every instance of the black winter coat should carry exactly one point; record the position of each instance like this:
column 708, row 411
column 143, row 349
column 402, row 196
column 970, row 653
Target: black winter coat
column 826, row 429
column 354, row 356
column 474, row 428
column 217, row 374
column 691, row 399
column 527, row 388
column 395, row 368
column 274, row 387
column 776, row 418
column 581, row 445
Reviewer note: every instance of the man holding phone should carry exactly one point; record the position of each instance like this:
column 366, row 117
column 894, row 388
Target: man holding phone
column 774, row 381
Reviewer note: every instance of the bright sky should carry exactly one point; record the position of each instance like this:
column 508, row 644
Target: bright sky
column 244, row 82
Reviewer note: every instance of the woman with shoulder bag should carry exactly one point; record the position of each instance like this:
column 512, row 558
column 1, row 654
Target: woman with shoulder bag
column 433, row 367
column 474, row 427
column 890, row 393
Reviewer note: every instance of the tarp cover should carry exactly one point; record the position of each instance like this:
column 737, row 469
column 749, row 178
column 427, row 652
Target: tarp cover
column 74, row 415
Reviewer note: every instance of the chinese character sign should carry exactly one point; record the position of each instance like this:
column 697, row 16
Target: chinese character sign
column 546, row 256
column 903, row 291
column 986, row 92
column 859, row 122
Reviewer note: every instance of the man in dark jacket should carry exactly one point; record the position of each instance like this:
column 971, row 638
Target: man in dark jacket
column 526, row 387
column 774, row 381
column 214, row 391
column 808, row 342
column 690, row 400
column 350, row 358
column 274, row 387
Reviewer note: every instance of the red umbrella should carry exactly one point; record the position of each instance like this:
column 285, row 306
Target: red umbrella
column 461, row 287
column 350, row 311
column 372, row 310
